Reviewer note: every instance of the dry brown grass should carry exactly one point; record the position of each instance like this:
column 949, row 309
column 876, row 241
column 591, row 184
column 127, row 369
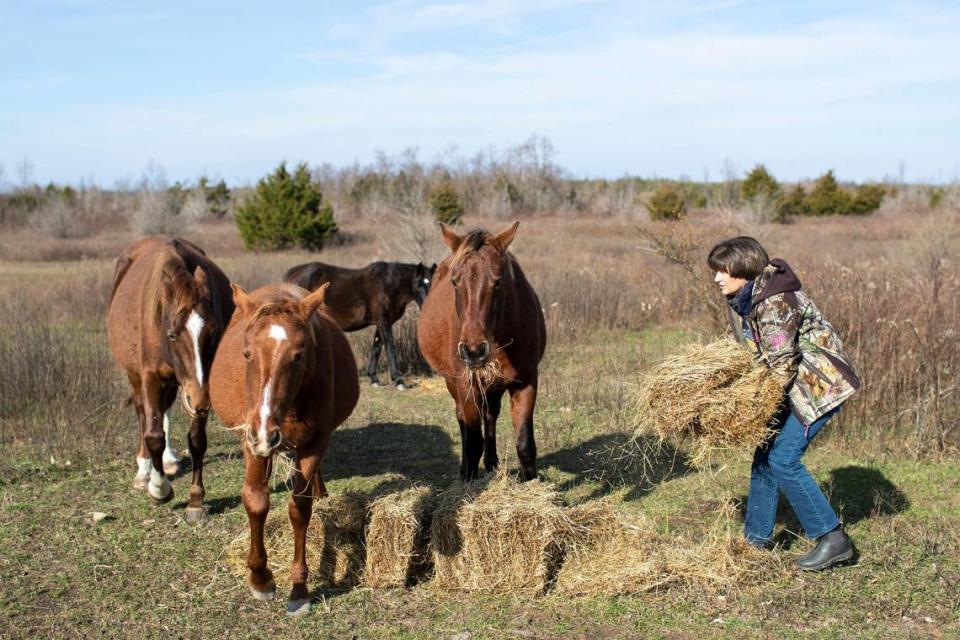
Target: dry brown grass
column 613, row 555
column 712, row 397
column 397, row 537
column 498, row 537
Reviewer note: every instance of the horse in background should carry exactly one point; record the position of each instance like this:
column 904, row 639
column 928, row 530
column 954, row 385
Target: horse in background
column 377, row 294
column 168, row 309
column 482, row 329
column 284, row 377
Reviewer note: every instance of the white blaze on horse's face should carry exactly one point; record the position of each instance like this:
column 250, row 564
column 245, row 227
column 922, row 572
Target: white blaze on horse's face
column 279, row 334
column 195, row 326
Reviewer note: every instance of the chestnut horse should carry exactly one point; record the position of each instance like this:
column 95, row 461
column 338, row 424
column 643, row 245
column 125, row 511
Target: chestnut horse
column 168, row 309
column 376, row 294
column 284, row 378
column 482, row 328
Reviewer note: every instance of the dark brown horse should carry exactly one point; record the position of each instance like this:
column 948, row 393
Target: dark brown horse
column 284, row 378
column 482, row 328
column 168, row 309
column 376, row 294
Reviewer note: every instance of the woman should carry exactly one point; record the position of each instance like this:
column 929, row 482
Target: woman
column 806, row 355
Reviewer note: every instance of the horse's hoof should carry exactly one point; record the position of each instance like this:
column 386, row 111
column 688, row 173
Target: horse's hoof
column 298, row 607
column 171, row 468
column 401, row 386
column 375, row 385
column 263, row 596
column 140, row 482
column 156, row 493
column 195, row 515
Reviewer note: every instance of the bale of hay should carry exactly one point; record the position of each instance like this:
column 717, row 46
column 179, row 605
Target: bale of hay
column 334, row 545
column 499, row 537
column 397, row 538
column 614, row 555
column 712, row 397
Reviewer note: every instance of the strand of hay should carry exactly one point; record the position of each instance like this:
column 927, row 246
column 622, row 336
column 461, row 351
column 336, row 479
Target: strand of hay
column 619, row 557
column 504, row 537
column 334, row 545
column 397, row 538
column 713, row 397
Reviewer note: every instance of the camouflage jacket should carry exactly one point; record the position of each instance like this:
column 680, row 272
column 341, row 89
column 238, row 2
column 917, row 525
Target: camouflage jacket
column 799, row 344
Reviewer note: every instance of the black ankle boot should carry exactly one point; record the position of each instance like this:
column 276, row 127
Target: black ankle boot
column 832, row 548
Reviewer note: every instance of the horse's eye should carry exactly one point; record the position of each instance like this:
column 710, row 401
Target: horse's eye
column 496, row 283
column 453, row 281
column 246, row 355
column 297, row 356
column 171, row 335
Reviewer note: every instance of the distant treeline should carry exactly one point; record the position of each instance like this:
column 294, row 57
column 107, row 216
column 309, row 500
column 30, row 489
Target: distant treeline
column 300, row 206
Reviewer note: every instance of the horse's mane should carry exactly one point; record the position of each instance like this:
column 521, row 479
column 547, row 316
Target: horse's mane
column 473, row 241
column 175, row 268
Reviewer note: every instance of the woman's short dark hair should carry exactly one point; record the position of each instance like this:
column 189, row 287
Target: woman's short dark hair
column 740, row 257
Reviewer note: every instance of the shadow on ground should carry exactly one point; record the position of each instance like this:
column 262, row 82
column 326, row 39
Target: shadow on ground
column 616, row 461
column 422, row 453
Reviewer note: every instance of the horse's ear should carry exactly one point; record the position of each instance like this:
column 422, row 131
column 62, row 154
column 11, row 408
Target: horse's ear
column 421, row 270
column 503, row 239
column 451, row 238
column 433, row 270
column 241, row 299
column 203, row 285
column 313, row 301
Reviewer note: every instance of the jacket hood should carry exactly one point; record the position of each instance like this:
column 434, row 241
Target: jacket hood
column 776, row 278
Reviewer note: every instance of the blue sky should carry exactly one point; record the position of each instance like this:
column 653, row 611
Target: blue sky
column 96, row 90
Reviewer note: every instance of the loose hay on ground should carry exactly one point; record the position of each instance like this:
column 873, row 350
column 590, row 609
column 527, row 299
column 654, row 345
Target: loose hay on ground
column 500, row 537
column 334, row 547
column 397, row 537
column 713, row 397
column 614, row 555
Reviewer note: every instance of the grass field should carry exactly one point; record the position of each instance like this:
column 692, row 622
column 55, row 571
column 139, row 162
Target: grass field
column 143, row 572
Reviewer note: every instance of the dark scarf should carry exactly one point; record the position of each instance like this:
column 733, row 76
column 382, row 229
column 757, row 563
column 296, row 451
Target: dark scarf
column 741, row 301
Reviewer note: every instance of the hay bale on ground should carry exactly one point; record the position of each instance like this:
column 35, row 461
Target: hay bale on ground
column 713, row 397
column 397, row 537
column 335, row 549
column 616, row 556
column 504, row 536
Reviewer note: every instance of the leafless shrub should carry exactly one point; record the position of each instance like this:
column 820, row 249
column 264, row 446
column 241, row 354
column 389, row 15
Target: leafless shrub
column 159, row 212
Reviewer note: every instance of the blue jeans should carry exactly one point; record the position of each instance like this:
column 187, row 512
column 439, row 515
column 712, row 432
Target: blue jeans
column 777, row 467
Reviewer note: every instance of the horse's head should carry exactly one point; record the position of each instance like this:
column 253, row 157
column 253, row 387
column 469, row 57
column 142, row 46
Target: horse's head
column 189, row 334
column 478, row 271
column 279, row 348
column 422, row 279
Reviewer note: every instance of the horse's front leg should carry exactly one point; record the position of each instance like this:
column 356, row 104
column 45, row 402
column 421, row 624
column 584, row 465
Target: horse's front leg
column 300, row 508
column 256, row 501
column 386, row 331
column 197, row 441
column 152, row 392
column 491, row 411
column 374, row 357
column 522, row 402
column 471, row 436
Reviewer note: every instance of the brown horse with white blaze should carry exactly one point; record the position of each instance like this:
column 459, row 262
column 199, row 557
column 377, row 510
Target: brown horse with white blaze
column 482, row 328
column 284, row 378
column 168, row 309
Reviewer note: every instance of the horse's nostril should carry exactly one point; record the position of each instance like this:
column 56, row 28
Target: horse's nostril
column 483, row 350
column 274, row 439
